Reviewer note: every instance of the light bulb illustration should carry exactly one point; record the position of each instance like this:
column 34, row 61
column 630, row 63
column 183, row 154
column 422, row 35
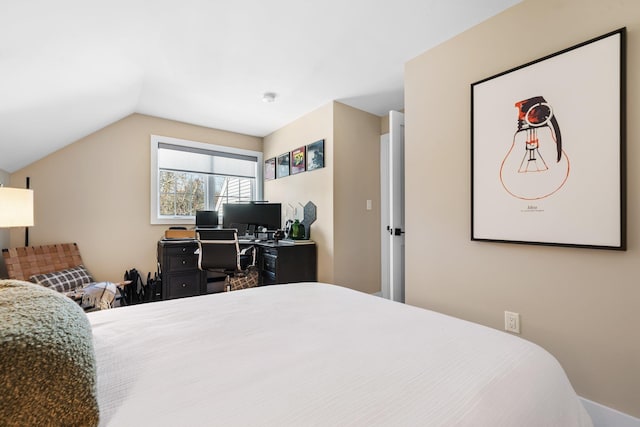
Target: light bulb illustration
column 536, row 166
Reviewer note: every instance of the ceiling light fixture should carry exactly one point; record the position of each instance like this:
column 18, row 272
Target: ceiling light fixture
column 269, row 97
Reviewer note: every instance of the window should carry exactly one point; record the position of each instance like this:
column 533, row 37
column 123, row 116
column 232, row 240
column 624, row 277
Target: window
column 187, row 176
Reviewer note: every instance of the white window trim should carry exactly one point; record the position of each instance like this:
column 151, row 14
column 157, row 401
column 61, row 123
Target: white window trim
column 157, row 139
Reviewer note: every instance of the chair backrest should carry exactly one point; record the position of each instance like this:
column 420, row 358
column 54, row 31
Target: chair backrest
column 25, row 262
column 218, row 249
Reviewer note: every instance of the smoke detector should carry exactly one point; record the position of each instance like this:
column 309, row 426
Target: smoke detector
column 269, row 97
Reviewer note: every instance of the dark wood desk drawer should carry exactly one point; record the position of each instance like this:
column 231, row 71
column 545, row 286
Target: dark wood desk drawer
column 268, row 278
column 270, row 262
column 181, row 249
column 178, row 268
column 181, row 285
column 270, row 251
column 183, row 262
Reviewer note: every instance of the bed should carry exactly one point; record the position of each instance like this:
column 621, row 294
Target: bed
column 314, row 354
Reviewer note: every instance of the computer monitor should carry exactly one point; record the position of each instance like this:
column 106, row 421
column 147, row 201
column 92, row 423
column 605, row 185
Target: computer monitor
column 267, row 215
column 206, row 219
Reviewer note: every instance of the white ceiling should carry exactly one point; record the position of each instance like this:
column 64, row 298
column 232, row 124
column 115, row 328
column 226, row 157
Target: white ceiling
column 71, row 67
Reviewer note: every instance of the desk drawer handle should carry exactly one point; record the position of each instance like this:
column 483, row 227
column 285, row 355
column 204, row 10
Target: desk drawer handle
column 184, row 262
column 184, row 285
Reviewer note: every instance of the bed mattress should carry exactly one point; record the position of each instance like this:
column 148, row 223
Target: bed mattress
column 317, row 354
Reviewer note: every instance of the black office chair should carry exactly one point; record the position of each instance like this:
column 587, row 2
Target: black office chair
column 219, row 251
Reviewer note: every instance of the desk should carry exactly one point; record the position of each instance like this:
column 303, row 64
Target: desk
column 282, row 262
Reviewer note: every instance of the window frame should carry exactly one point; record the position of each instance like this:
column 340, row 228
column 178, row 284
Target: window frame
column 156, row 140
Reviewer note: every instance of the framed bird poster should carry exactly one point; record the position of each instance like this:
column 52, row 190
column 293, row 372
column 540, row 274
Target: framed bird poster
column 548, row 149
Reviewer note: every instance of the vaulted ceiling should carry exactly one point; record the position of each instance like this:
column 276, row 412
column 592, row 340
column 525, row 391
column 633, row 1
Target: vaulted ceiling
column 71, row 67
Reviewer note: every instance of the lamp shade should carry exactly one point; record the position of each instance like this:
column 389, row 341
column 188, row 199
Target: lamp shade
column 16, row 207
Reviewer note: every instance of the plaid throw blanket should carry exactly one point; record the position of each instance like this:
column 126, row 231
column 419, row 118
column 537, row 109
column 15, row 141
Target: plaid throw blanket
column 100, row 295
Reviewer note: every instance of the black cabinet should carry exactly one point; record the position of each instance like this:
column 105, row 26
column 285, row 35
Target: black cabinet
column 287, row 263
column 178, row 267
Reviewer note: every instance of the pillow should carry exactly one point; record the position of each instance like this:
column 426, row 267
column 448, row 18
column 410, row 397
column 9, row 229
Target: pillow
column 64, row 280
column 47, row 361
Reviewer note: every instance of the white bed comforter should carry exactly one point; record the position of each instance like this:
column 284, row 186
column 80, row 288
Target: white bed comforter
column 319, row 355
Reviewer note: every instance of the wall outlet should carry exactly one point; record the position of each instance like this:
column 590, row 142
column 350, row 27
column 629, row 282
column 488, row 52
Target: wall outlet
column 512, row 322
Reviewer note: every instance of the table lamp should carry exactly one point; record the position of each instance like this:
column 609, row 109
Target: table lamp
column 16, row 207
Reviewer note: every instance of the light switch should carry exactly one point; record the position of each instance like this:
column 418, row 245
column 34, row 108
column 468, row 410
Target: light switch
column 368, row 205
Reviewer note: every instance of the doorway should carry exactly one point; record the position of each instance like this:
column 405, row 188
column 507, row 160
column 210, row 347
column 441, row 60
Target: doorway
column 392, row 233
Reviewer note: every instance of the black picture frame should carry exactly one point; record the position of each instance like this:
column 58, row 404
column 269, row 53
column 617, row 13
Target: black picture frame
column 552, row 170
column 283, row 167
column 298, row 160
column 270, row 169
column 315, row 155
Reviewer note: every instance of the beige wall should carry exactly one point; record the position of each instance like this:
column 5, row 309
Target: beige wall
column 580, row 304
column 384, row 124
column 314, row 186
column 356, row 180
column 95, row 192
column 347, row 235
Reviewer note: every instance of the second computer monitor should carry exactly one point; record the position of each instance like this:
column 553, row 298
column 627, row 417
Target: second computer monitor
column 206, row 219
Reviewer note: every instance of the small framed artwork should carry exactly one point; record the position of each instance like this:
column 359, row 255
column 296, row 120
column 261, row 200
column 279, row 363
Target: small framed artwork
column 315, row 155
column 283, row 165
column 270, row 169
column 548, row 149
column 298, row 160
